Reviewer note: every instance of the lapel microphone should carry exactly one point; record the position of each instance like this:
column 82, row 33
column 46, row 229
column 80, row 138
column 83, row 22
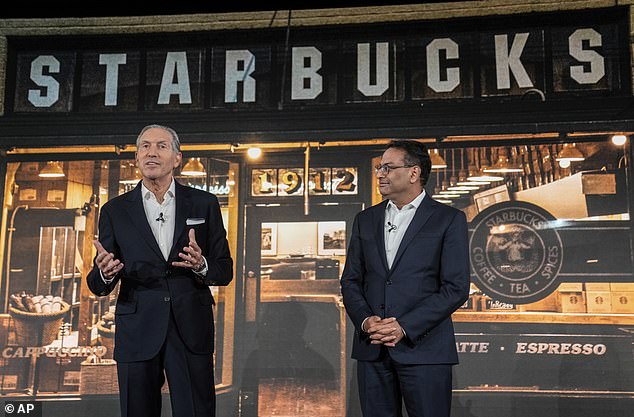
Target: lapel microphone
column 390, row 226
column 160, row 218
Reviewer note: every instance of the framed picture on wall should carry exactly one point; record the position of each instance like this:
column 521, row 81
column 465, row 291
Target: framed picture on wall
column 331, row 238
column 268, row 239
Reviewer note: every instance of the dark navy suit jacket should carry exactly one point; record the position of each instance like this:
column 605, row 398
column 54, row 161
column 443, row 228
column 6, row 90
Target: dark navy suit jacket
column 428, row 281
column 150, row 285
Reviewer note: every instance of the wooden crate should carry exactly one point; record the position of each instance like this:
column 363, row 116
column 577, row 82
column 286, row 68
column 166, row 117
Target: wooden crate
column 598, row 301
column 572, row 298
column 597, row 286
column 622, row 286
column 622, row 302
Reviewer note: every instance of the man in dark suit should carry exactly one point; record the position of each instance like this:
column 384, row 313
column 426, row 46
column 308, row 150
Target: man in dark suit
column 406, row 272
column 166, row 243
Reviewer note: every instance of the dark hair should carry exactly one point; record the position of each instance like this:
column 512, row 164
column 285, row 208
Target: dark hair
column 415, row 154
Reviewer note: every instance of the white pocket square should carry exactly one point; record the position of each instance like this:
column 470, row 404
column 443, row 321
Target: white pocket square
column 194, row 221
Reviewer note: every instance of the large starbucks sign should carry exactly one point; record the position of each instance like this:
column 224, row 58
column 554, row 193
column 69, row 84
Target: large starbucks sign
column 552, row 56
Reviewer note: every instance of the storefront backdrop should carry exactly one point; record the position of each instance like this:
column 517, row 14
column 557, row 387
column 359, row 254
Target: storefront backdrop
column 528, row 117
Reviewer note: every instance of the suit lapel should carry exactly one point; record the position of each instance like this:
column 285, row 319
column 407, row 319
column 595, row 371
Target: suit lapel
column 424, row 211
column 183, row 206
column 136, row 211
column 379, row 219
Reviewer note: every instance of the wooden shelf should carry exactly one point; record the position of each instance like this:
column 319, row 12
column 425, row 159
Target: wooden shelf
column 541, row 317
column 304, row 298
column 283, row 290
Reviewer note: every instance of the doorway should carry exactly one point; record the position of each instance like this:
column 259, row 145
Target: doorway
column 295, row 340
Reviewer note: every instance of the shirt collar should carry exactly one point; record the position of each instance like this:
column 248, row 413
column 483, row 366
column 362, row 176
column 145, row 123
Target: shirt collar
column 147, row 194
column 413, row 204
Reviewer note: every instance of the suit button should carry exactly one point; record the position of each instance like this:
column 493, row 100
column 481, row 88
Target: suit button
column 389, row 282
column 166, row 299
column 382, row 306
column 168, row 273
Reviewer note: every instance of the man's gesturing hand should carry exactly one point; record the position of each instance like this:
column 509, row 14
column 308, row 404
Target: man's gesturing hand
column 106, row 262
column 192, row 256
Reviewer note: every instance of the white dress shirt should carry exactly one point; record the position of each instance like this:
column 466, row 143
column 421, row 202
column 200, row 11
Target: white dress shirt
column 161, row 216
column 396, row 223
column 162, row 220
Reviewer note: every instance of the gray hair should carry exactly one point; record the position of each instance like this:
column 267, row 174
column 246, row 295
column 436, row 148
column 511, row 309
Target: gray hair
column 176, row 143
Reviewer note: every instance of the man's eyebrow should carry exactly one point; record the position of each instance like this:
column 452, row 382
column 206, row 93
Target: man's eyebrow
column 159, row 142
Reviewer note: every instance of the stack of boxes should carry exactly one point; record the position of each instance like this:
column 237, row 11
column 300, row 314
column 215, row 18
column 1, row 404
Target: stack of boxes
column 570, row 297
column 597, row 298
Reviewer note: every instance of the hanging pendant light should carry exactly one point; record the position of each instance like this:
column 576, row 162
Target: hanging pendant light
column 53, row 169
column 442, row 192
column 462, row 184
column 193, row 168
column 478, row 174
column 437, row 161
column 571, row 153
column 503, row 165
column 473, row 168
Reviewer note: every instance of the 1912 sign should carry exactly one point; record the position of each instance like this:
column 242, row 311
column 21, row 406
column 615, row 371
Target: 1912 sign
column 408, row 63
column 271, row 182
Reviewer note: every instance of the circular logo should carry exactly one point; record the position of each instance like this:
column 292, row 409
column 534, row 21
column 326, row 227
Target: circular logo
column 516, row 252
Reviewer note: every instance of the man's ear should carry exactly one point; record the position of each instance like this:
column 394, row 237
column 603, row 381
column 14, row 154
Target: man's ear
column 415, row 176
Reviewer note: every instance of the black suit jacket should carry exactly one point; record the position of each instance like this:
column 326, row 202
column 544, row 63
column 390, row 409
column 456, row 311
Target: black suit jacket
column 428, row 281
column 150, row 285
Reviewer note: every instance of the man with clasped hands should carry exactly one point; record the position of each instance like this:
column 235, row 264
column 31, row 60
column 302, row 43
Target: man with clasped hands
column 406, row 272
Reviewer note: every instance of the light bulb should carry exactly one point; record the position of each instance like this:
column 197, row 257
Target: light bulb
column 619, row 140
column 254, row 153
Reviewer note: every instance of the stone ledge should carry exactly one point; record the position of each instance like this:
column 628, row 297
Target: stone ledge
column 278, row 19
